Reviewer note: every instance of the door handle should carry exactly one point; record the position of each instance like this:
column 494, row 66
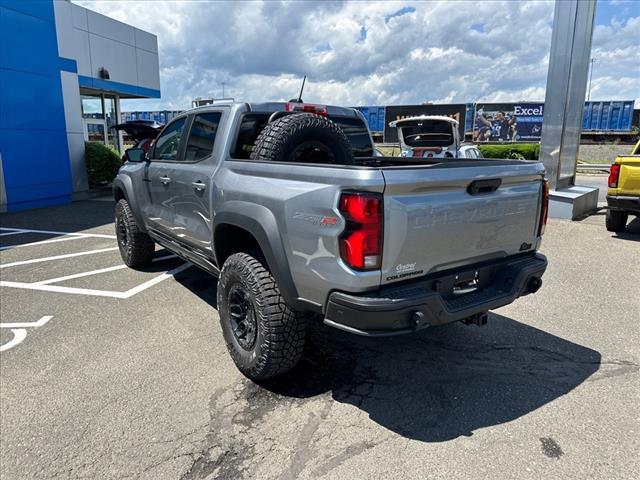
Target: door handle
column 165, row 180
column 198, row 186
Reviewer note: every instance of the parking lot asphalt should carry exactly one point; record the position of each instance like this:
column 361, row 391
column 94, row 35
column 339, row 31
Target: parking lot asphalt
column 112, row 373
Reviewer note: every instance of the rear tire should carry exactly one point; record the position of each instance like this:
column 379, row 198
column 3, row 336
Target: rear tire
column 136, row 247
column 264, row 336
column 616, row 220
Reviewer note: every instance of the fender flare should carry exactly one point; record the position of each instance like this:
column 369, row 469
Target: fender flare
column 260, row 222
column 125, row 184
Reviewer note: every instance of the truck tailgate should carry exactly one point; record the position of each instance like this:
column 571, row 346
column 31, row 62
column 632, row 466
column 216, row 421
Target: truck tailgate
column 629, row 178
column 446, row 217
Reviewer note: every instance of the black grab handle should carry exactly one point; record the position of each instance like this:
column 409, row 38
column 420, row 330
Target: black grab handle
column 483, row 186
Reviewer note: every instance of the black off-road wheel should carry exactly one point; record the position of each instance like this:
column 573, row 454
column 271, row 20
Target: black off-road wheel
column 136, row 247
column 303, row 138
column 264, row 336
column 616, row 221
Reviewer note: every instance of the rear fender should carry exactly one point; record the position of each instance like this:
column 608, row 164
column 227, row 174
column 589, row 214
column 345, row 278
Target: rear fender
column 260, row 222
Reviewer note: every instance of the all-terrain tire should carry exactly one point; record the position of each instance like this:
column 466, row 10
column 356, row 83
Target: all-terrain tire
column 277, row 341
column 616, row 221
column 136, row 247
column 303, row 138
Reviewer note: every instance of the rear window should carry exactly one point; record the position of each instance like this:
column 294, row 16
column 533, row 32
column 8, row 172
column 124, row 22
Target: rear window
column 253, row 123
column 431, row 133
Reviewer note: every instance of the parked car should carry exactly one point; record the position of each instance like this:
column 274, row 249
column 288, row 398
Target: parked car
column 469, row 151
column 623, row 196
column 288, row 206
column 427, row 136
column 143, row 132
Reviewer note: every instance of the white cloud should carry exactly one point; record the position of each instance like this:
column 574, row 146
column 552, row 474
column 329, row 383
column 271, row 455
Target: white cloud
column 358, row 53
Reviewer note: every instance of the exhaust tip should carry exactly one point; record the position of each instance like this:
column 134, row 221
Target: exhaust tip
column 534, row 284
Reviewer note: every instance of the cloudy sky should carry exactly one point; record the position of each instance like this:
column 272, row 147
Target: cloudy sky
column 371, row 53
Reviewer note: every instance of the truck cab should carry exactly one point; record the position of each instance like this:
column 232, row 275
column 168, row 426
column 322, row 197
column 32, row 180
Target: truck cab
column 623, row 195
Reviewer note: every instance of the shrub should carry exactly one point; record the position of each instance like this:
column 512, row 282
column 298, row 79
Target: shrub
column 102, row 163
column 526, row 151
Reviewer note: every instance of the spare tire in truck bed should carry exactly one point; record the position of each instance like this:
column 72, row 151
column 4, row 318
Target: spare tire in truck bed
column 303, row 138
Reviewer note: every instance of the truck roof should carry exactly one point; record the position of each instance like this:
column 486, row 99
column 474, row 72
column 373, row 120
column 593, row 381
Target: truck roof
column 270, row 107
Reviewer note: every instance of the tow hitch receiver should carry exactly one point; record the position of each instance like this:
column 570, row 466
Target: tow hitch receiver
column 479, row 319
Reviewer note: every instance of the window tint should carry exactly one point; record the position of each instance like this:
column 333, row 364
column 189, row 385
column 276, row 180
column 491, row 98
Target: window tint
column 251, row 126
column 168, row 142
column 253, row 123
column 357, row 133
column 202, row 136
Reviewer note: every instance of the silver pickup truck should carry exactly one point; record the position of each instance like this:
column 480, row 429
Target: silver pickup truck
column 287, row 205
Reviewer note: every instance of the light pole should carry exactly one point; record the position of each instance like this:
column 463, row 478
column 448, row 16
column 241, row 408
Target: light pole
column 590, row 77
column 223, row 84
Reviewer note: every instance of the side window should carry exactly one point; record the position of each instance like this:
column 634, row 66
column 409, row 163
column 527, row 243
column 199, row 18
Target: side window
column 471, row 153
column 202, row 136
column 168, row 142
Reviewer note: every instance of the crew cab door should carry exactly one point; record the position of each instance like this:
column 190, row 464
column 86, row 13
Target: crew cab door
column 159, row 176
column 192, row 182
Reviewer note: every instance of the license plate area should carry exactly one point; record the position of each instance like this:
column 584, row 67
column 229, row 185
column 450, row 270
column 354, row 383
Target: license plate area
column 462, row 283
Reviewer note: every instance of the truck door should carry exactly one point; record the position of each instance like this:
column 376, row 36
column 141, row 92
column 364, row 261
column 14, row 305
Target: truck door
column 159, row 176
column 192, row 182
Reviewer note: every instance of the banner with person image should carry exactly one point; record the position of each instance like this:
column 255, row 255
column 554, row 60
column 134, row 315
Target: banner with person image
column 508, row 122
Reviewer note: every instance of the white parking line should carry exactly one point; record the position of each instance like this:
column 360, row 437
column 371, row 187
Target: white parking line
column 19, row 332
column 57, row 257
column 98, row 293
column 39, row 323
column 94, row 272
column 55, row 232
column 43, row 242
column 10, row 233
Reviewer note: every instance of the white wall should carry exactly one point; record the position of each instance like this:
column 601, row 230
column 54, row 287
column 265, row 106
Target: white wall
column 94, row 41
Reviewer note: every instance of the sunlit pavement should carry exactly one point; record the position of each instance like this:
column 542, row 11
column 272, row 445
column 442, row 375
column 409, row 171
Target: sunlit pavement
column 116, row 373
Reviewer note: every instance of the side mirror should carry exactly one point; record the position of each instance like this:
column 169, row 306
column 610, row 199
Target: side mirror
column 135, row 155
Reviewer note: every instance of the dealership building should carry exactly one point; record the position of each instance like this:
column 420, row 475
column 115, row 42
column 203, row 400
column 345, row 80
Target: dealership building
column 63, row 71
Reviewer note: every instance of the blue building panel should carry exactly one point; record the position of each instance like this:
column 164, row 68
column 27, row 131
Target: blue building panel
column 28, row 43
column 33, row 139
column 42, row 9
column 29, row 101
column 36, row 168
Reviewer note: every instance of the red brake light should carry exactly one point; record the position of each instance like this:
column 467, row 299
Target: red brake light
column 613, row 175
column 544, row 209
column 361, row 242
column 307, row 107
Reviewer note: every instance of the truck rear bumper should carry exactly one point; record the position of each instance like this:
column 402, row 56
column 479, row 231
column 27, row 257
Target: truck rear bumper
column 628, row 203
column 431, row 300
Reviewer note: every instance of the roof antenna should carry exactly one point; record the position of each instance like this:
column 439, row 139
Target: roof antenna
column 299, row 99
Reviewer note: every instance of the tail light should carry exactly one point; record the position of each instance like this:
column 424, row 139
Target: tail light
column 544, row 209
column 307, row 107
column 613, row 175
column 361, row 242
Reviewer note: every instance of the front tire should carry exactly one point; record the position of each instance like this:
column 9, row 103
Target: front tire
column 264, row 336
column 136, row 247
column 616, row 221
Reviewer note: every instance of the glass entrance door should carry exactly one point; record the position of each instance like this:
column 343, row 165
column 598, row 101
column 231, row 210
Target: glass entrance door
column 100, row 112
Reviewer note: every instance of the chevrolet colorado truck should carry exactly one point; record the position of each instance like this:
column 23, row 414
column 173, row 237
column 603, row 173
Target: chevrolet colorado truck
column 287, row 205
column 623, row 195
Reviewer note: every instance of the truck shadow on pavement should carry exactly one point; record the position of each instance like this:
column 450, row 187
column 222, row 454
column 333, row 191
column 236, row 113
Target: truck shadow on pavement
column 441, row 383
column 437, row 384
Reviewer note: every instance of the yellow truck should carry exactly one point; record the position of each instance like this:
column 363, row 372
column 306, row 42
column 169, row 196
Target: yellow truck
column 623, row 196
